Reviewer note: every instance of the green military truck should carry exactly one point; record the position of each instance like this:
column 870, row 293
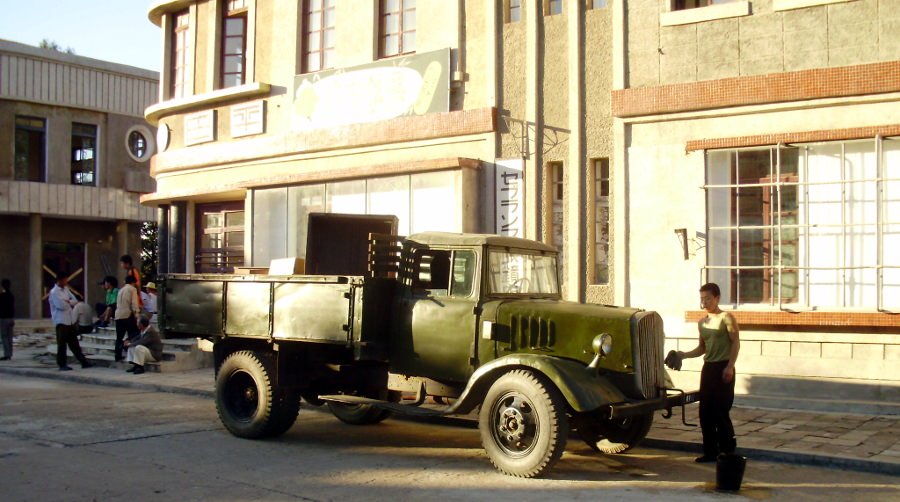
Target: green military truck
column 394, row 325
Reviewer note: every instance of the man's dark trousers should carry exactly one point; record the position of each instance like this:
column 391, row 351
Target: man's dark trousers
column 716, row 398
column 124, row 326
column 66, row 336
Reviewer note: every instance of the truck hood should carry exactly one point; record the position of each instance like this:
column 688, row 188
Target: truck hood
column 561, row 329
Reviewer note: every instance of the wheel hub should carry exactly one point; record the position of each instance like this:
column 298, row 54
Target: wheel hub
column 512, row 424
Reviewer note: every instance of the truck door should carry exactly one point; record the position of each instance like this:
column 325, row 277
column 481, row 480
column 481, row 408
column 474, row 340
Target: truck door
column 439, row 317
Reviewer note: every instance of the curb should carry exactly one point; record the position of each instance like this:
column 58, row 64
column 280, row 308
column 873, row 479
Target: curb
column 787, row 457
column 93, row 380
column 780, row 456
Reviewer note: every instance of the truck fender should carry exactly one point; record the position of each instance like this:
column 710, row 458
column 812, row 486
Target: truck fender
column 582, row 387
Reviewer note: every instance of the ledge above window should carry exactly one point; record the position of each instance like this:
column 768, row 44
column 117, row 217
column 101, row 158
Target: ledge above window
column 155, row 112
column 779, row 5
column 775, row 318
column 708, row 13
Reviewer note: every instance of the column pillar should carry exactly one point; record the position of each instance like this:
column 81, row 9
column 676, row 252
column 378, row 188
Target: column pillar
column 575, row 204
column 533, row 118
column 177, row 237
column 162, row 239
column 122, row 241
column 35, row 266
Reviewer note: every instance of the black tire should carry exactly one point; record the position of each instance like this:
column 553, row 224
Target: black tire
column 523, row 424
column 358, row 414
column 286, row 414
column 248, row 402
column 616, row 436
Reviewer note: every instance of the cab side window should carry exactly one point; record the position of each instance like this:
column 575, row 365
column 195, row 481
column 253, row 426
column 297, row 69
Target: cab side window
column 463, row 273
column 432, row 271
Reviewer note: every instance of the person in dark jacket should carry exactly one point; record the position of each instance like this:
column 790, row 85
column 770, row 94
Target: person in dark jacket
column 147, row 346
column 7, row 313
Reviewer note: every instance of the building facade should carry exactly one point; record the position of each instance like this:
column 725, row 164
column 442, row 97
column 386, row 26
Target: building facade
column 760, row 149
column 74, row 152
column 629, row 135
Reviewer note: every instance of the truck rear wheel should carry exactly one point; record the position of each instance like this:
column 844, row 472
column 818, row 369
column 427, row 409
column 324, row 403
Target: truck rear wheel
column 247, row 399
column 358, row 414
column 523, row 424
column 616, row 436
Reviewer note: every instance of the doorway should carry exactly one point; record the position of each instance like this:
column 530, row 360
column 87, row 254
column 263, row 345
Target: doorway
column 67, row 258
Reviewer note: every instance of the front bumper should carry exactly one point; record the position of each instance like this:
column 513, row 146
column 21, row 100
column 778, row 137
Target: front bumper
column 673, row 398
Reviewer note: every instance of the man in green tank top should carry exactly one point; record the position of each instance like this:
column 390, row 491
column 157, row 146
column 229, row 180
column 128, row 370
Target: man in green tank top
column 719, row 346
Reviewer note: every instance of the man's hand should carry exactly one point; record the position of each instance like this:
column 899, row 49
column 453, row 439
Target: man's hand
column 728, row 374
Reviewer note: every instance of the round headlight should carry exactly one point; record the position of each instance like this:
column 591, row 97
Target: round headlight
column 602, row 344
column 606, row 344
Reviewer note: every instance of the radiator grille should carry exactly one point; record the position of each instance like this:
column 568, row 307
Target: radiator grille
column 532, row 332
column 648, row 357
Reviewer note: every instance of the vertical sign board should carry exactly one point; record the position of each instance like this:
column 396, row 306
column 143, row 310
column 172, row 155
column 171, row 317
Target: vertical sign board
column 509, row 183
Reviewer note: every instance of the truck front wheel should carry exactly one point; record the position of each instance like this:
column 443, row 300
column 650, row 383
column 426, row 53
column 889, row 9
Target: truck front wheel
column 247, row 399
column 615, row 436
column 523, row 424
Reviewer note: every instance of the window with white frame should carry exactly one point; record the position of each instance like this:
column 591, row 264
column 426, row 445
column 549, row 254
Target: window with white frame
column 556, row 204
column 397, row 27
column 693, row 4
column 84, row 154
column 318, row 34
column 513, row 12
column 553, row 7
column 810, row 225
column 600, row 168
column 234, row 44
column 178, row 63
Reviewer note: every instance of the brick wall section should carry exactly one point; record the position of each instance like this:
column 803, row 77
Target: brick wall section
column 875, row 78
column 794, row 137
column 398, row 130
column 813, row 319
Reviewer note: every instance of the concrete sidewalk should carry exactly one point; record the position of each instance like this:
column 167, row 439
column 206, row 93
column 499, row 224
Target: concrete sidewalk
column 868, row 443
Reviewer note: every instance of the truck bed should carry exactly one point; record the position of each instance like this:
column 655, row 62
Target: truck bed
column 307, row 308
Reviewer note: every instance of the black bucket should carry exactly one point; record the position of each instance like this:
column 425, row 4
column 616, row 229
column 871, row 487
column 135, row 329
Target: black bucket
column 730, row 471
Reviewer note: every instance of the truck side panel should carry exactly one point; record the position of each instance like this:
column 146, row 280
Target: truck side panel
column 247, row 308
column 192, row 307
column 318, row 312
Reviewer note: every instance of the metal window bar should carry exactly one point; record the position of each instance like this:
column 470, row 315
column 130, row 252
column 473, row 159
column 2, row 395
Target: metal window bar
column 879, row 224
column 778, row 215
column 801, row 183
column 737, row 220
column 843, row 229
column 806, row 250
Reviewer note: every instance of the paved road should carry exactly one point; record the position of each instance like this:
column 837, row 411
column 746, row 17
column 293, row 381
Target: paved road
column 72, row 442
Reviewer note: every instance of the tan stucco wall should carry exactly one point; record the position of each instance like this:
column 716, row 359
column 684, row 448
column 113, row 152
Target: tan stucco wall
column 278, row 46
column 767, row 41
column 665, row 193
column 598, row 135
column 511, row 100
column 555, row 101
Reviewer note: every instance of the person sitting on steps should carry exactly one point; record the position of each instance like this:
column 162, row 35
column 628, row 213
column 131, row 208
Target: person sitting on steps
column 147, row 346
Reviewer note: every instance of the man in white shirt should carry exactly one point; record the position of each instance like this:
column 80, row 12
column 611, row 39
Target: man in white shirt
column 61, row 302
column 128, row 307
column 150, row 302
column 84, row 318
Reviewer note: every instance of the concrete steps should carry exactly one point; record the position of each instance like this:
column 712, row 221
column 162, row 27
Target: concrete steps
column 178, row 354
column 35, row 326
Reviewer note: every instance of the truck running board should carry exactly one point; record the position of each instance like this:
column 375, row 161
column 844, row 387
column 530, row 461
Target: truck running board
column 403, row 409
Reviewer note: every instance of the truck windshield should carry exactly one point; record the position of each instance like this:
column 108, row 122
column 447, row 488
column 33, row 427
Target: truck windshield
column 516, row 272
